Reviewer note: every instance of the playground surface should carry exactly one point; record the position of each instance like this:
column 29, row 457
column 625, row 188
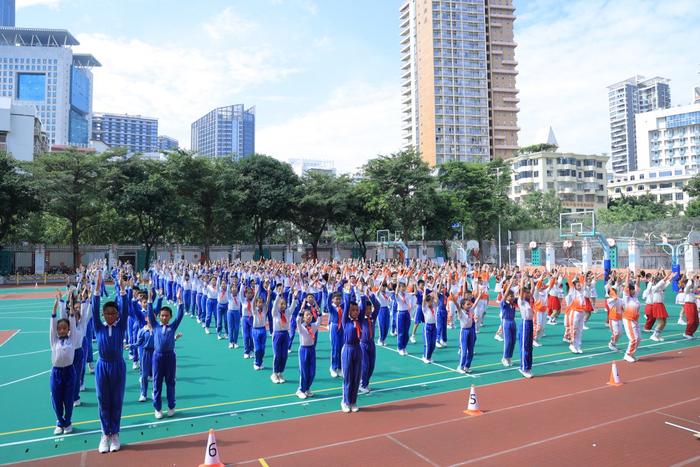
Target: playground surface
column 413, row 416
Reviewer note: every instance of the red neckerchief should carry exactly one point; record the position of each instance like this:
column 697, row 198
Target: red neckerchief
column 340, row 315
column 283, row 316
column 403, row 299
column 358, row 329
column 310, row 330
column 371, row 328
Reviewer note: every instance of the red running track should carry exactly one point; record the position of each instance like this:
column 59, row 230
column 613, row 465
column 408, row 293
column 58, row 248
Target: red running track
column 571, row 417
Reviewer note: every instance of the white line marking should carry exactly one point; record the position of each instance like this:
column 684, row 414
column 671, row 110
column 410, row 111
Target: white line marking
column 690, row 461
column 408, row 448
column 679, row 418
column 24, row 379
column 13, row 335
column 571, row 433
column 682, row 427
column 420, row 359
column 25, row 353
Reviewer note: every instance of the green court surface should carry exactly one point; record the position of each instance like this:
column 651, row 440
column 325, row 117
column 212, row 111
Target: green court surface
column 217, row 388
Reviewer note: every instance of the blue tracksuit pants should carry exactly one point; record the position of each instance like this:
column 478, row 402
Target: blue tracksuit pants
column 352, row 372
column 164, row 364
column 221, row 322
column 62, row 382
column 211, row 311
column 280, row 347
column 369, row 357
column 509, row 337
column 441, row 325
column 467, row 339
column 383, row 318
column 403, row 325
column 307, row 367
column 525, row 336
column 233, row 319
column 110, row 380
column 336, row 336
column 429, row 336
column 248, row 335
column 79, row 368
column 146, row 369
column 259, row 338
column 187, row 299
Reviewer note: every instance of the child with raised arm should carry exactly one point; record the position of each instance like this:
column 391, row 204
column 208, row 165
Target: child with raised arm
column 281, row 315
column 64, row 340
column 307, row 328
column 369, row 351
column 351, row 357
column 466, row 314
column 110, row 371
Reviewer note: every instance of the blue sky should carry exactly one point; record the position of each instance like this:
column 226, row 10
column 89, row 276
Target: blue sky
column 324, row 74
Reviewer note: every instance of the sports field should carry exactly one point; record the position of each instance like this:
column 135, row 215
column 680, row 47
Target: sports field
column 217, row 388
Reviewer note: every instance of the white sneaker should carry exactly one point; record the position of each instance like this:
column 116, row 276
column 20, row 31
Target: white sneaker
column 526, row 374
column 498, row 337
column 334, row 374
column 647, row 330
column 655, row 338
column 578, row 350
column 363, row 390
column 413, row 339
column 460, row 370
column 274, row 378
column 572, row 348
column 246, row 355
column 467, row 370
column 425, row 360
column 354, row 408
column 393, row 333
column 206, row 331
column 536, row 344
column 219, row 337
column 58, row 430
column 170, row 412
column 104, row 444
column 114, row 444
column 504, row 362
column 289, row 350
column 309, row 394
column 68, row 430
column 76, row 403
column 235, row 346
column 280, row 378
column 613, row 347
column 629, row 358
column 230, row 346
column 82, row 387
column 301, row 395
column 199, row 320
column 159, row 414
column 510, row 361
column 257, row 367
column 566, row 340
column 91, row 367
column 687, row 336
column 344, row 408
column 135, row 366
column 682, row 322
column 142, row 398
column 585, row 328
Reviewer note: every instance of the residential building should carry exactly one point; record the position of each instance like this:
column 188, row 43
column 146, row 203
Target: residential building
column 7, row 13
column 303, row 166
column 225, row 131
column 696, row 95
column 458, row 79
column 20, row 130
column 133, row 132
column 167, row 143
column 579, row 180
column 665, row 184
column 625, row 100
column 38, row 67
column 669, row 138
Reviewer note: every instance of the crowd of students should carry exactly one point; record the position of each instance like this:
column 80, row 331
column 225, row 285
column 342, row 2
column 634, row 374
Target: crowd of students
column 359, row 303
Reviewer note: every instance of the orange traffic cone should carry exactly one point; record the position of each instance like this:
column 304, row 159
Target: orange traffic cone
column 614, row 376
column 473, row 404
column 211, row 456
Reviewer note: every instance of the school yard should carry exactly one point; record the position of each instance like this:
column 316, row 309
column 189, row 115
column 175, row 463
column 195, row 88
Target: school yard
column 413, row 416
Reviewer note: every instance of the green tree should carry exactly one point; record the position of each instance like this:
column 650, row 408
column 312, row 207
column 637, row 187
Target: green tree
column 69, row 186
column 17, row 196
column 444, row 214
column 543, row 208
column 360, row 222
column 631, row 209
column 402, row 184
column 693, row 209
column 321, row 200
column 267, row 188
column 144, row 198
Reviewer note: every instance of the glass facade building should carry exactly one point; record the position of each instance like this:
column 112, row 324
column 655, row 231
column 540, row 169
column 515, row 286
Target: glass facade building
column 225, row 131
column 38, row 67
column 167, row 143
column 7, row 13
column 133, row 132
column 625, row 100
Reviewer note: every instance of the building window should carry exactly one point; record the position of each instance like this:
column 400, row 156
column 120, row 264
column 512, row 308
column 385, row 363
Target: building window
column 679, row 196
column 31, row 86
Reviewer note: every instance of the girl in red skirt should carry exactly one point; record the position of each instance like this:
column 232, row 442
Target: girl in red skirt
column 658, row 309
column 690, row 308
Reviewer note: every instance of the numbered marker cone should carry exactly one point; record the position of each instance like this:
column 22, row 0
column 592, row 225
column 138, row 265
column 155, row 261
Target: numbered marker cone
column 614, row 376
column 473, row 404
column 211, row 455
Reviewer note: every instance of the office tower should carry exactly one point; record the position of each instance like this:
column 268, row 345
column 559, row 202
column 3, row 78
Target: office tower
column 225, row 131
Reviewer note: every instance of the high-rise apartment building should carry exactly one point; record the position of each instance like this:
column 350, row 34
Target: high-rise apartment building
column 458, row 79
column 133, row 132
column 7, row 13
column 225, row 131
column 626, row 99
column 167, row 143
column 38, row 67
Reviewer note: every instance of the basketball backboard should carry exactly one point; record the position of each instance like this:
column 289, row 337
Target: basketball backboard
column 577, row 224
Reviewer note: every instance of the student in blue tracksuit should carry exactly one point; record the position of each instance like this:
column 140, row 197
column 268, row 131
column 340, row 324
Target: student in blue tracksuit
column 82, row 315
column 247, row 310
column 351, row 356
column 211, row 294
column 525, row 332
column 394, row 308
column 259, row 332
column 221, row 309
column 187, row 294
column 382, row 300
column 63, row 341
column 369, row 352
column 164, row 360
column 281, row 315
column 405, row 305
column 430, row 328
column 335, row 332
column 441, row 318
column 467, row 334
column 508, row 324
column 144, row 340
column 418, row 312
column 110, row 372
column 233, row 312
column 308, row 328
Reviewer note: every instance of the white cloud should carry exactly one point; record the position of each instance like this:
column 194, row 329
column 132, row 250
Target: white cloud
column 28, row 3
column 358, row 122
column 566, row 62
column 227, row 24
column 176, row 85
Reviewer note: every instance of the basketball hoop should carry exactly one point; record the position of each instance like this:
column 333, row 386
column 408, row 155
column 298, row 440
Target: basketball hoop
column 533, row 245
